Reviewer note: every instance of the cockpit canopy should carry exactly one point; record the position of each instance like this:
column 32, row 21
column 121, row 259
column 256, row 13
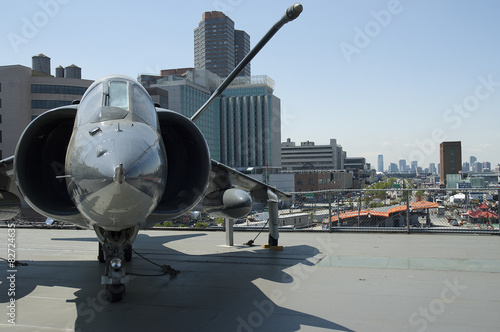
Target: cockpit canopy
column 115, row 98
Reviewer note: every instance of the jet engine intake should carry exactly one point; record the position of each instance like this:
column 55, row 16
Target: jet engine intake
column 189, row 164
column 39, row 164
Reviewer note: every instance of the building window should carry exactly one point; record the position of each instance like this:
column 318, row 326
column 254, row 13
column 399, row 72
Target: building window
column 311, row 181
column 0, row 103
column 299, row 182
column 452, row 161
column 49, row 104
column 58, row 89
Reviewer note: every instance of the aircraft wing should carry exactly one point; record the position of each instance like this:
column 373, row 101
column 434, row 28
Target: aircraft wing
column 7, row 181
column 224, row 177
column 10, row 203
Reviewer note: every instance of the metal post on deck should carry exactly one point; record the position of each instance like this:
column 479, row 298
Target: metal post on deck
column 330, row 212
column 229, row 232
column 338, row 212
column 408, row 210
column 272, row 204
column 498, row 207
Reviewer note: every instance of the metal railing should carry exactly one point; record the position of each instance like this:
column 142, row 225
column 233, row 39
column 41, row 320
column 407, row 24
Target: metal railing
column 353, row 210
column 394, row 210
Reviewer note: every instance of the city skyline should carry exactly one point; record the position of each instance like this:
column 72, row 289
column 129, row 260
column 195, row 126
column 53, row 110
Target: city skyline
column 370, row 74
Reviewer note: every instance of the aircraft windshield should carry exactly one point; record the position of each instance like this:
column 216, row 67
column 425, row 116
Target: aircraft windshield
column 113, row 100
column 143, row 106
column 90, row 103
column 118, row 95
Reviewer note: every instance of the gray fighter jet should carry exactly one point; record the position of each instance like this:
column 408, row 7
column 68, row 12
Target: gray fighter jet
column 115, row 163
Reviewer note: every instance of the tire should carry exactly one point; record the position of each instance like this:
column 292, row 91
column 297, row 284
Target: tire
column 100, row 254
column 128, row 253
column 115, row 292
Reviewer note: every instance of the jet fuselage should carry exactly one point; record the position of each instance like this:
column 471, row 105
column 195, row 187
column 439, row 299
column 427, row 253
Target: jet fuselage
column 116, row 162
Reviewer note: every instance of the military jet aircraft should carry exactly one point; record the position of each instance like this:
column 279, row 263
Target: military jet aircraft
column 116, row 163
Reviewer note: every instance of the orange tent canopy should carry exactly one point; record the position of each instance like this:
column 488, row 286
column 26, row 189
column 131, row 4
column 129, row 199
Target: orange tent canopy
column 413, row 206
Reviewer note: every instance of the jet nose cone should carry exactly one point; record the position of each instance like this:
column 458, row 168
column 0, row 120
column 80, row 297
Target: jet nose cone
column 119, row 174
column 122, row 183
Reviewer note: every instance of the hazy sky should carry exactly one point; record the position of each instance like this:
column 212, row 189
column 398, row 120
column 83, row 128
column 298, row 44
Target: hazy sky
column 382, row 77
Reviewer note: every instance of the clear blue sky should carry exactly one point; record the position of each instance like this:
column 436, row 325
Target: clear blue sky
column 382, row 77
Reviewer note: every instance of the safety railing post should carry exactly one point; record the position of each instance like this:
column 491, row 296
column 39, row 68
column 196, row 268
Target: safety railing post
column 408, row 210
column 229, row 232
column 330, row 212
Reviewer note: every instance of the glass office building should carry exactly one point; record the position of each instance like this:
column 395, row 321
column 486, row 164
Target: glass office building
column 250, row 124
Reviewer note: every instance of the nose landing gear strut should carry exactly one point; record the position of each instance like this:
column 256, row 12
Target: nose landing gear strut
column 115, row 248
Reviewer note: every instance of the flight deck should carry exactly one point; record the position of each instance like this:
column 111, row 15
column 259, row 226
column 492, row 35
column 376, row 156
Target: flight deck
column 319, row 282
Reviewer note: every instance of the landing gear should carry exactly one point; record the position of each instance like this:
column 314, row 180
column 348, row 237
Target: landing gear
column 127, row 252
column 100, row 255
column 115, row 248
column 115, row 292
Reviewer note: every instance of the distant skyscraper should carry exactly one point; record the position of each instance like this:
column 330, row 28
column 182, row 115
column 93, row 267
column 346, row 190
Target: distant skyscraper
column 402, row 165
column 450, row 157
column 414, row 165
column 218, row 47
column 380, row 163
column 472, row 161
column 465, row 167
column 432, row 168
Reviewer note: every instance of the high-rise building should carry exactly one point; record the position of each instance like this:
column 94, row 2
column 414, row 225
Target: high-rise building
column 393, row 168
column 472, row 161
column 27, row 92
column 242, row 126
column 249, row 118
column 432, row 168
column 380, row 163
column 402, row 165
column 414, row 166
column 465, row 167
column 218, row 47
column 450, row 157
column 241, row 49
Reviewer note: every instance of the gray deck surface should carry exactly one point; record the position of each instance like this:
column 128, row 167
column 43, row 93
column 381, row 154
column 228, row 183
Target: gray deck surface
column 319, row 282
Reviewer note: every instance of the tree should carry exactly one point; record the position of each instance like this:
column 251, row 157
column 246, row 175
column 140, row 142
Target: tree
column 419, row 194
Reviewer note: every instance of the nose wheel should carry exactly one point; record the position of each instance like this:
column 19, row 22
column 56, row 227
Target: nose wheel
column 115, row 292
column 114, row 250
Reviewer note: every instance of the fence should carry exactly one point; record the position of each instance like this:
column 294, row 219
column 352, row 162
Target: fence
column 381, row 210
column 396, row 210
